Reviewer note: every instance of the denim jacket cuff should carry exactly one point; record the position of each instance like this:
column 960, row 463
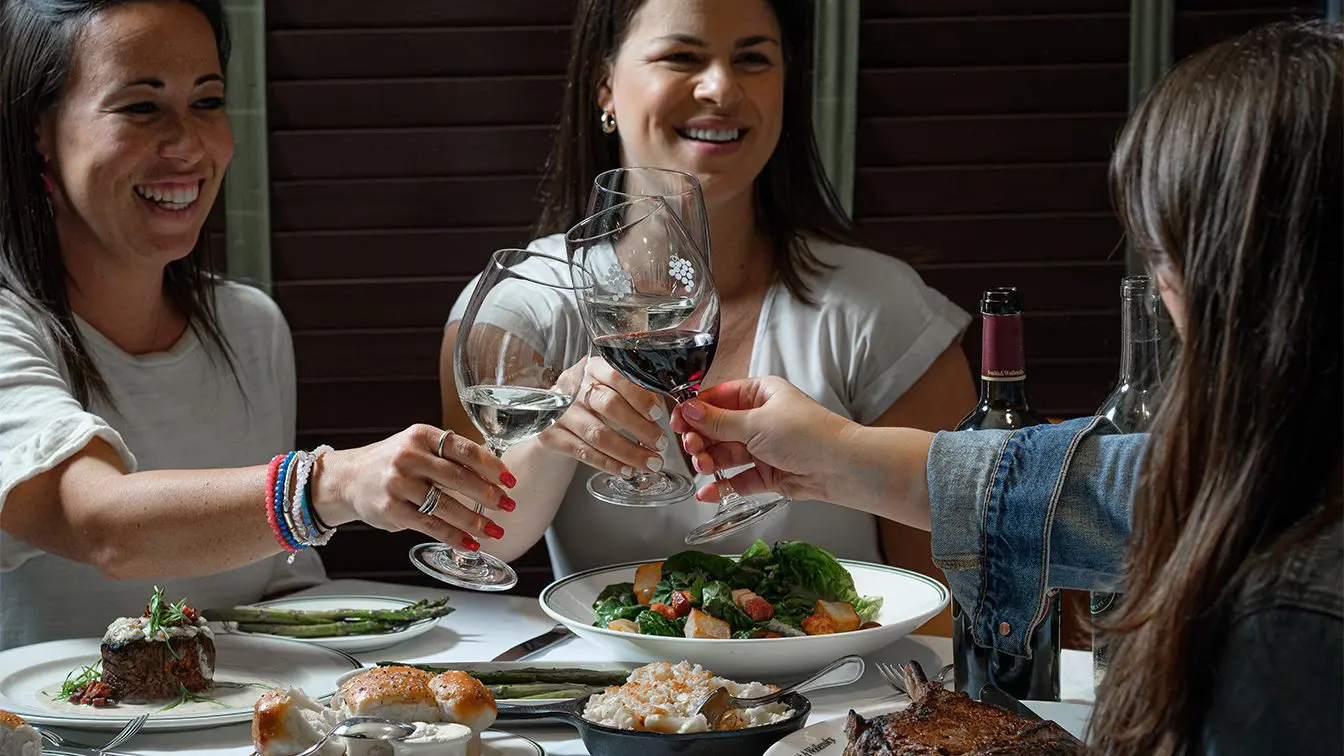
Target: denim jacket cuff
column 992, row 499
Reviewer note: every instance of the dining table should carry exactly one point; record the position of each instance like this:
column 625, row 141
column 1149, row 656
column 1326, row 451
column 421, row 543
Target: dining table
column 484, row 625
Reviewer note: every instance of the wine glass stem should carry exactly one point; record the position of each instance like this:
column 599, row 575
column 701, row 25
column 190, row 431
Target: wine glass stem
column 729, row 498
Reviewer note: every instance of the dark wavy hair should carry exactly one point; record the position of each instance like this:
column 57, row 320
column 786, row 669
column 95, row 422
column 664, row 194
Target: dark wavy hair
column 792, row 197
column 37, row 44
column 1230, row 175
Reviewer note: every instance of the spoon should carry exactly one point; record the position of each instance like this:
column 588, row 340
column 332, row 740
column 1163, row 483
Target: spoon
column 842, row 671
column 364, row 728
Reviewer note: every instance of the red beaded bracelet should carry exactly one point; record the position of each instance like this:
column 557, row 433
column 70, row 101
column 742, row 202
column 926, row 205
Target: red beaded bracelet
column 272, row 472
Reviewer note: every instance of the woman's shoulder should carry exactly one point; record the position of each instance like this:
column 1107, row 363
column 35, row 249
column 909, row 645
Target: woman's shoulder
column 241, row 307
column 855, row 271
column 1310, row 577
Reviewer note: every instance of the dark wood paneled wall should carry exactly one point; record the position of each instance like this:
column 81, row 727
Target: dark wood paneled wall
column 407, row 140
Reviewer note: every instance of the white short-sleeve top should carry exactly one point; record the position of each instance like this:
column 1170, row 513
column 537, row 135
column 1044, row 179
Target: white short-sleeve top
column 179, row 409
column 874, row 329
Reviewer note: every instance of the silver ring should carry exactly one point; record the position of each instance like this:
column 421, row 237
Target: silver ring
column 443, row 438
column 587, row 393
column 431, row 501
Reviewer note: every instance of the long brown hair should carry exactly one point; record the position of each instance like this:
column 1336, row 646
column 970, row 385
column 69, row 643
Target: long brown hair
column 37, row 45
column 1230, row 175
column 792, row 197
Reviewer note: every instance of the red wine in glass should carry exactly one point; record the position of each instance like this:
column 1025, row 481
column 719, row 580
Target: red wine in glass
column 672, row 362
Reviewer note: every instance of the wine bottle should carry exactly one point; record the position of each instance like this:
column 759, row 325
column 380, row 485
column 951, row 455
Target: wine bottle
column 1003, row 406
column 1130, row 406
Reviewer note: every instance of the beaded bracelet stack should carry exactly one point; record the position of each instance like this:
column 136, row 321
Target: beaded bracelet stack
column 289, row 510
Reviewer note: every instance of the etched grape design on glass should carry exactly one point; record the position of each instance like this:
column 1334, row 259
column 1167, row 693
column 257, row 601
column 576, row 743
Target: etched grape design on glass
column 639, row 251
column 508, row 364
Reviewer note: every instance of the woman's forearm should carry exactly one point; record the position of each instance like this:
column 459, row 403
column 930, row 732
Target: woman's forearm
column 882, row 471
column 543, row 480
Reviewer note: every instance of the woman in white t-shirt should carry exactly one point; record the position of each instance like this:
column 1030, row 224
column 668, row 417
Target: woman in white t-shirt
column 141, row 397
column 719, row 90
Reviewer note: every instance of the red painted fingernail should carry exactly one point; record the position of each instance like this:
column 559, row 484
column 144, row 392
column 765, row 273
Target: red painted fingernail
column 508, row 480
column 507, row 504
column 470, row 544
column 494, row 531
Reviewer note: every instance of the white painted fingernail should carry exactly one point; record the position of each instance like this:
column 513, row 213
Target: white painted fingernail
column 662, row 443
column 655, row 464
column 627, row 471
column 656, row 413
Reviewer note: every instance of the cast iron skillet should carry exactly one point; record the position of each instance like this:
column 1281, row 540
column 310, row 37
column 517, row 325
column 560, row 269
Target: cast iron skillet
column 609, row 741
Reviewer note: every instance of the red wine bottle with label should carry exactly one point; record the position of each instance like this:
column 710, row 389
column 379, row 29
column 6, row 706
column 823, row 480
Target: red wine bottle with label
column 1004, row 406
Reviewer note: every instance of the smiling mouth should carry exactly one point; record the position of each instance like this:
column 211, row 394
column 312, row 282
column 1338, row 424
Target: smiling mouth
column 179, row 197
column 713, row 136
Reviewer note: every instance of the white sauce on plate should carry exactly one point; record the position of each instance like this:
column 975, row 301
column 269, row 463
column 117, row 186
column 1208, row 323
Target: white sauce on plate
column 225, row 695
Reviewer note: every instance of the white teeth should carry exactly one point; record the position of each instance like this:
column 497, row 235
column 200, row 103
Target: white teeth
column 712, row 135
column 173, row 199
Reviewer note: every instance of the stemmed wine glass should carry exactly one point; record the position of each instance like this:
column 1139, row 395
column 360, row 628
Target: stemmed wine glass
column 682, row 193
column 509, row 378
column 638, row 254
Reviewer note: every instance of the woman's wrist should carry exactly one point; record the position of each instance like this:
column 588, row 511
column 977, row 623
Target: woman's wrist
column 327, row 487
column 883, row 471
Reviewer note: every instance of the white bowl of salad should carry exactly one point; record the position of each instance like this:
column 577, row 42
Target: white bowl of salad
column 787, row 609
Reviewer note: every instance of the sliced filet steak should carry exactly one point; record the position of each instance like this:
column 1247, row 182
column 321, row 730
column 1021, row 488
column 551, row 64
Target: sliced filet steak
column 146, row 670
column 944, row 723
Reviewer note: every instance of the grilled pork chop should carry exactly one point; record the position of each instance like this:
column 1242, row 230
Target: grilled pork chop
column 943, row 723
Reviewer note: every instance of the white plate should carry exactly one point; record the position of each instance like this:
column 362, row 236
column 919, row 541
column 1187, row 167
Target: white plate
column 909, row 600
column 28, row 672
column 500, row 743
column 350, row 643
column 828, row 738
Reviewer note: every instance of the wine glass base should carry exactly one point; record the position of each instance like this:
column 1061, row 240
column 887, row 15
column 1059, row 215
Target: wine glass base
column 735, row 519
column 464, row 569
column 649, row 490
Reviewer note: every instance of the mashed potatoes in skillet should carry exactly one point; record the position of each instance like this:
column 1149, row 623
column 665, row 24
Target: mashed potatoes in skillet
column 661, row 697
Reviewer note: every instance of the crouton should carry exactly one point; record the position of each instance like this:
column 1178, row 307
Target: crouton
column 623, row 626
column 818, row 624
column 682, row 602
column 842, row 614
column 646, row 580
column 663, row 609
column 701, row 625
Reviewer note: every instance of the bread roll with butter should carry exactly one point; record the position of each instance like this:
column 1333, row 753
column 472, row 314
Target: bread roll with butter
column 17, row 737
column 462, row 699
column 400, row 693
column 286, row 722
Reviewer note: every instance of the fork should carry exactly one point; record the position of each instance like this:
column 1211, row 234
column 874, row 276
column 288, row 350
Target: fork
column 896, row 680
column 131, row 729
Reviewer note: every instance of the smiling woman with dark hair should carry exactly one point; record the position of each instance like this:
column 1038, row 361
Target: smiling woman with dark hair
column 140, row 395
column 720, row 90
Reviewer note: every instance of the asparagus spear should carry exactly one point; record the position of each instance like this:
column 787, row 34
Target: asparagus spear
column 325, row 630
column 537, row 690
column 575, row 676
column 421, row 610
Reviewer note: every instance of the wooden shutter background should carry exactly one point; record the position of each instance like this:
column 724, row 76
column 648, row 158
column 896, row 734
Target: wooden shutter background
column 407, row 140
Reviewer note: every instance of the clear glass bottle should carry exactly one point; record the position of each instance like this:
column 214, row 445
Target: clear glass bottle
column 1003, row 405
column 1131, row 404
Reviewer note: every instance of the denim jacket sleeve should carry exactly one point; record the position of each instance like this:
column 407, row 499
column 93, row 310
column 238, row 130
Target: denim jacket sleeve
column 1018, row 513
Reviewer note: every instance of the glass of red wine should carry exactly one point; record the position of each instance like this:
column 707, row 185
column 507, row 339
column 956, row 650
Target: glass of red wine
column 653, row 313
column 510, row 365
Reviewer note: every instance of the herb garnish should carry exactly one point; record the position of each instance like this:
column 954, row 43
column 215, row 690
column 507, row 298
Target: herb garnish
column 78, row 679
column 161, row 615
column 187, row 696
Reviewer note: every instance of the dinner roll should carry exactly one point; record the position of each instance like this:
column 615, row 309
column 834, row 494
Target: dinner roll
column 17, row 737
column 400, row 693
column 286, row 722
column 464, row 700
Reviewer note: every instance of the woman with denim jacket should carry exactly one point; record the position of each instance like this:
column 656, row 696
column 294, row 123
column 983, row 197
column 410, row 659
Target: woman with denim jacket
column 1225, row 521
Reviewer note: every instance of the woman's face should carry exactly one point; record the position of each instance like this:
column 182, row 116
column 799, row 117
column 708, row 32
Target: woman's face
column 698, row 86
column 138, row 144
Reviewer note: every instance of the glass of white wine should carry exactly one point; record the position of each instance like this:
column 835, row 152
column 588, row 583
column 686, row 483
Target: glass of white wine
column 510, row 364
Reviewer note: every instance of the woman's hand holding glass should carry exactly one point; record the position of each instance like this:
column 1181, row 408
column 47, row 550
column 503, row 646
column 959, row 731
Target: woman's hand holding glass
column 608, row 412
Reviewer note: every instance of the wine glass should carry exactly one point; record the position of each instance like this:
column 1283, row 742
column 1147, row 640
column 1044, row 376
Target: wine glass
column 682, row 193
column 664, row 332
column 510, row 364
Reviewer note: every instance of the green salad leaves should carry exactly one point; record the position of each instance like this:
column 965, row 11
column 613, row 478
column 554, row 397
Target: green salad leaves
column 792, row 588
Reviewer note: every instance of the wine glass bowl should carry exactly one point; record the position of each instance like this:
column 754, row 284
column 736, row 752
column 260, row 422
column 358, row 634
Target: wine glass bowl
column 510, row 367
column 653, row 313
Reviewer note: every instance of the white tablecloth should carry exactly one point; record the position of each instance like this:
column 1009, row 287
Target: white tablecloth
column 484, row 625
